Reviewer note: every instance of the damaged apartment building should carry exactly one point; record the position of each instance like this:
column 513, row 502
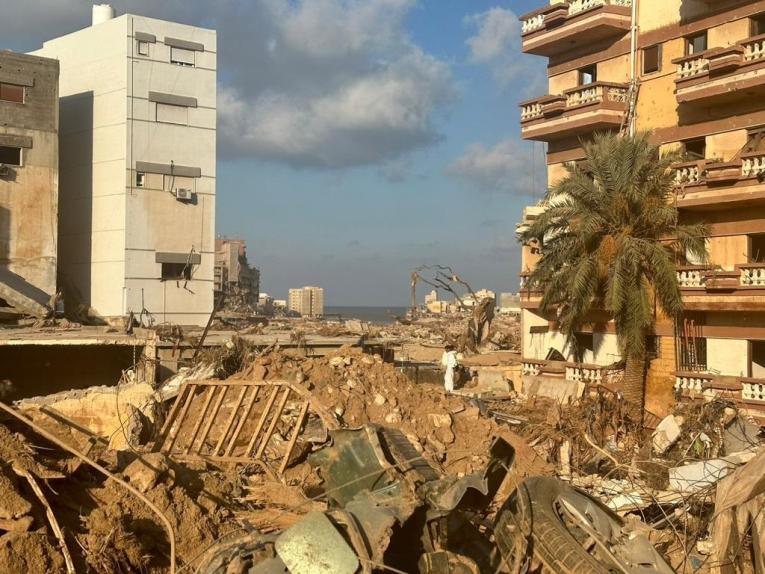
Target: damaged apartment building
column 28, row 183
column 136, row 227
column 696, row 80
column 235, row 280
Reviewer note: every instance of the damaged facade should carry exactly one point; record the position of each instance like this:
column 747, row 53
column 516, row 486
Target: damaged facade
column 699, row 78
column 29, row 126
column 137, row 165
column 234, row 278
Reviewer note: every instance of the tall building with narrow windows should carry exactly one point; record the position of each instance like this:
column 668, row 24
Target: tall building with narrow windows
column 307, row 302
column 137, row 166
column 696, row 80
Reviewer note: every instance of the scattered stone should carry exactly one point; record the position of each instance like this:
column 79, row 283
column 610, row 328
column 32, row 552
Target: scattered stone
column 379, row 400
column 741, row 435
column 12, row 504
column 19, row 525
column 440, row 420
column 147, row 470
column 337, row 361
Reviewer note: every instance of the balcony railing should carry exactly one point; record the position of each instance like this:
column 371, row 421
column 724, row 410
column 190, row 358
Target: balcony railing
column 750, row 391
column 714, row 278
column 692, row 276
column 555, row 28
column 713, row 180
column 742, row 63
column 752, row 274
column 555, row 116
column 753, row 164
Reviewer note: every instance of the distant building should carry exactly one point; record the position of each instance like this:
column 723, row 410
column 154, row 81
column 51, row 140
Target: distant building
column 509, row 303
column 28, row 182
column 307, row 302
column 431, row 297
column 439, row 307
column 480, row 295
column 280, row 303
column 234, row 277
column 137, row 98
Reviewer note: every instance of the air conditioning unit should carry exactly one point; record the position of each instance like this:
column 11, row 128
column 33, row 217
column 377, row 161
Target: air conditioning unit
column 183, row 194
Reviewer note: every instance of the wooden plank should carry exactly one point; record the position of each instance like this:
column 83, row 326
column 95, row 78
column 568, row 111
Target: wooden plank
column 173, row 411
column 262, row 421
column 210, row 391
column 274, row 422
column 213, row 414
column 294, row 437
column 181, row 417
column 230, row 421
column 242, row 421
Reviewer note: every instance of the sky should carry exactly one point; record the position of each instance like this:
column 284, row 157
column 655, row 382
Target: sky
column 357, row 139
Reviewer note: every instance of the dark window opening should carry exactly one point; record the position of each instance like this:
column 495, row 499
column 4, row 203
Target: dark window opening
column 696, row 44
column 140, row 179
column 755, row 140
column 757, row 25
column 588, row 75
column 757, row 356
column 11, row 93
column 10, row 155
column 584, row 342
column 757, row 248
column 695, row 149
column 653, row 347
column 143, row 48
column 176, row 272
column 652, row 59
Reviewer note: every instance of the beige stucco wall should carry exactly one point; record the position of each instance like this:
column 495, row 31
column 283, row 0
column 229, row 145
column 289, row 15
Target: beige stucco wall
column 728, row 356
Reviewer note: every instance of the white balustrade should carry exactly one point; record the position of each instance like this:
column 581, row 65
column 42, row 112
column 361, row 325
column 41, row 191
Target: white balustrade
column 754, row 50
column 531, row 111
column 753, row 166
column 753, row 276
column 753, row 391
column 693, row 67
column 584, row 374
column 691, row 278
column 534, row 23
column 576, row 6
column 585, row 95
column 617, row 95
column 687, row 174
column 689, row 383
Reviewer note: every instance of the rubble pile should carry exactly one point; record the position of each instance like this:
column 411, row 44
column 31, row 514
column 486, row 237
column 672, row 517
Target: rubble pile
column 360, row 389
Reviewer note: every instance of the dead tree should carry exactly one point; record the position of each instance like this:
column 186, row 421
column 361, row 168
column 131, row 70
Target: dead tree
column 482, row 312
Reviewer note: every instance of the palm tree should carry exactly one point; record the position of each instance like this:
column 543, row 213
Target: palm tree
column 610, row 240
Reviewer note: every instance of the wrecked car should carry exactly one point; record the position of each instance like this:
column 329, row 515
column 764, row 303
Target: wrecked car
column 390, row 510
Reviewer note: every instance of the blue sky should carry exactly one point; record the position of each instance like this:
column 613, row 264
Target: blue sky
column 358, row 139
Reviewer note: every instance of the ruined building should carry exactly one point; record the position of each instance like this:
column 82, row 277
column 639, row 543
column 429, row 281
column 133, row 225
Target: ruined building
column 307, row 302
column 699, row 81
column 137, row 167
column 234, row 278
column 28, row 182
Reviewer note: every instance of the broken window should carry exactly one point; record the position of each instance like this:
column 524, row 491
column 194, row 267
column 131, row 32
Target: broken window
column 11, row 93
column 176, row 272
column 140, row 179
column 143, row 48
column 588, row 75
column 10, row 155
column 652, row 59
column 696, row 148
column 171, row 114
column 585, row 346
column 181, row 56
column 696, row 43
column 757, row 25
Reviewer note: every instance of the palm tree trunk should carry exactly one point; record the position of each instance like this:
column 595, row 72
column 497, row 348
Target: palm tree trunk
column 634, row 385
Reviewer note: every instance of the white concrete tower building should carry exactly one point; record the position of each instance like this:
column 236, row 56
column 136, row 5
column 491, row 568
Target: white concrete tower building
column 137, row 166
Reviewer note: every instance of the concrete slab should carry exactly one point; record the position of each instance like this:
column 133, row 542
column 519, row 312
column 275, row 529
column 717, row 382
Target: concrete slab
column 560, row 389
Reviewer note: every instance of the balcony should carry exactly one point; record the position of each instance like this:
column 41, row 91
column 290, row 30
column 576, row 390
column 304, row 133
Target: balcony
column 588, row 108
column 569, row 371
column 748, row 391
column 706, row 287
column 571, row 23
column 713, row 184
column 722, row 75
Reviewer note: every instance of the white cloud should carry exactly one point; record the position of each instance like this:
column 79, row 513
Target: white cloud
column 497, row 44
column 498, row 31
column 508, row 166
column 313, row 83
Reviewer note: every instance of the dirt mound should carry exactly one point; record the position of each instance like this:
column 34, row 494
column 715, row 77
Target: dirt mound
column 362, row 389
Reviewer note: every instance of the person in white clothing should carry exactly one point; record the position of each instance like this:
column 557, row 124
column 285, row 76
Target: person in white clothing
column 450, row 363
